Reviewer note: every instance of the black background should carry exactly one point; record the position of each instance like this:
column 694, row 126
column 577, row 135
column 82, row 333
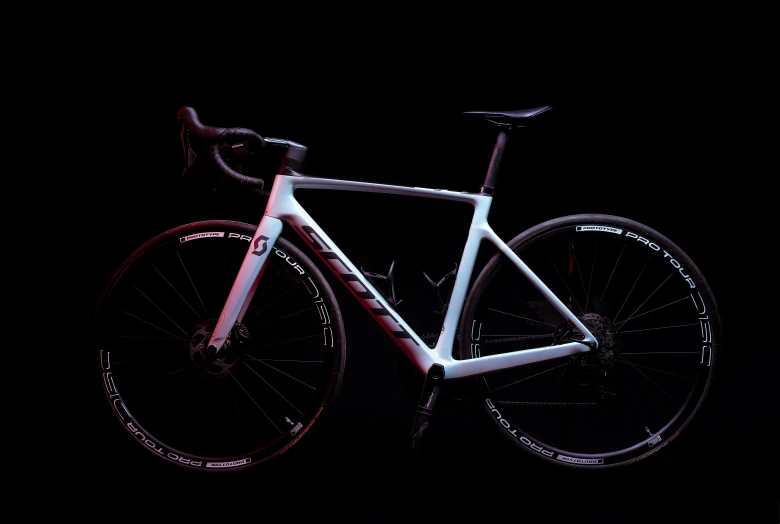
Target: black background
column 644, row 146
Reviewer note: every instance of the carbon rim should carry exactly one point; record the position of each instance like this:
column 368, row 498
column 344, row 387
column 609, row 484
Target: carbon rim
column 263, row 395
column 658, row 325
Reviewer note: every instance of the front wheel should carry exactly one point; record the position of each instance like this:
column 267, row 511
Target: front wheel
column 651, row 310
column 267, row 388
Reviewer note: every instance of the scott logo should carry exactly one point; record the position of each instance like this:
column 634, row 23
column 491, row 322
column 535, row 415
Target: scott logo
column 258, row 250
column 353, row 282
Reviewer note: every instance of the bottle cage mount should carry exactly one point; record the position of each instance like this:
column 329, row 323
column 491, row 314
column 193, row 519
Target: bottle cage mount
column 388, row 289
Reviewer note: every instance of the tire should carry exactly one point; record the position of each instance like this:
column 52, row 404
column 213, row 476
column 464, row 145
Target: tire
column 264, row 394
column 659, row 333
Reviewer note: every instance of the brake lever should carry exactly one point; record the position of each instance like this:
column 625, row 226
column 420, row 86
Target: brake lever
column 238, row 149
column 189, row 154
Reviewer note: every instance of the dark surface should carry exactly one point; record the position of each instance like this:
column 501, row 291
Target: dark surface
column 646, row 153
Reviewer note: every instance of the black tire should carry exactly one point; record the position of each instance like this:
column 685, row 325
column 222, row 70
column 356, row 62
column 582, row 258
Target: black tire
column 270, row 389
column 617, row 405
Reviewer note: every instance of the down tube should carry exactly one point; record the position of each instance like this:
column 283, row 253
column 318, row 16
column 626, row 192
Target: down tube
column 404, row 336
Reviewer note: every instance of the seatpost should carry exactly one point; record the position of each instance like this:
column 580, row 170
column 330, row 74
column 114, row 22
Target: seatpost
column 495, row 162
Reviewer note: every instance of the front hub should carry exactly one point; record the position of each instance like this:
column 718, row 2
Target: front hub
column 218, row 365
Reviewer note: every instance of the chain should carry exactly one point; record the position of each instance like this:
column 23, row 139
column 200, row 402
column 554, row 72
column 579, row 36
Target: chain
column 539, row 403
column 513, row 339
column 434, row 336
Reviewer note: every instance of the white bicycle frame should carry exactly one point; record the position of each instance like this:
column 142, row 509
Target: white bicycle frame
column 282, row 208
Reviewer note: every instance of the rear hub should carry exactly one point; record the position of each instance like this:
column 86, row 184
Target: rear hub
column 610, row 342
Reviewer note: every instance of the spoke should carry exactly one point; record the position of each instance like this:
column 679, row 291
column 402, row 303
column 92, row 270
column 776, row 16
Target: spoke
column 524, row 303
column 518, row 316
column 643, row 303
column 149, row 356
column 538, row 336
column 300, row 361
column 566, row 285
column 193, row 284
column 185, row 379
column 153, row 325
column 648, row 378
column 646, row 312
column 487, row 386
column 280, row 371
column 532, row 376
column 610, row 279
column 592, row 270
column 576, row 262
column 256, row 404
column 185, row 368
column 223, row 273
column 160, row 310
column 285, row 316
column 176, row 291
column 284, row 342
column 274, row 300
column 665, row 353
column 653, row 329
column 658, row 370
column 556, row 383
column 270, row 386
column 632, row 288
column 518, row 298
column 246, row 426
column 142, row 337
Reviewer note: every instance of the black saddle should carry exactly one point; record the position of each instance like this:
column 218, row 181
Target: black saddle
column 510, row 118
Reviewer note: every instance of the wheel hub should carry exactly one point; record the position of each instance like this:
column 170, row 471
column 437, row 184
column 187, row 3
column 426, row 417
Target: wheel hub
column 609, row 340
column 218, row 365
column 605, row 333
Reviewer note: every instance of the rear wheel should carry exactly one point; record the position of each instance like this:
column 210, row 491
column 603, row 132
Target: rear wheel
column 266, row 390
column 640, row 295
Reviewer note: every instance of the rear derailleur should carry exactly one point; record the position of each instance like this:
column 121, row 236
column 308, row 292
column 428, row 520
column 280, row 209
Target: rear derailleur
column 592, row 367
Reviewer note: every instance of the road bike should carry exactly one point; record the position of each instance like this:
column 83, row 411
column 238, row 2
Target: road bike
column 590, row 339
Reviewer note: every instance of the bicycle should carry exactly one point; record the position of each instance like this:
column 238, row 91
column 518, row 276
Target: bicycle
column 198, row 363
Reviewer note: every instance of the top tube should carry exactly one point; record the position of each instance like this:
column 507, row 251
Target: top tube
column 309, row 182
